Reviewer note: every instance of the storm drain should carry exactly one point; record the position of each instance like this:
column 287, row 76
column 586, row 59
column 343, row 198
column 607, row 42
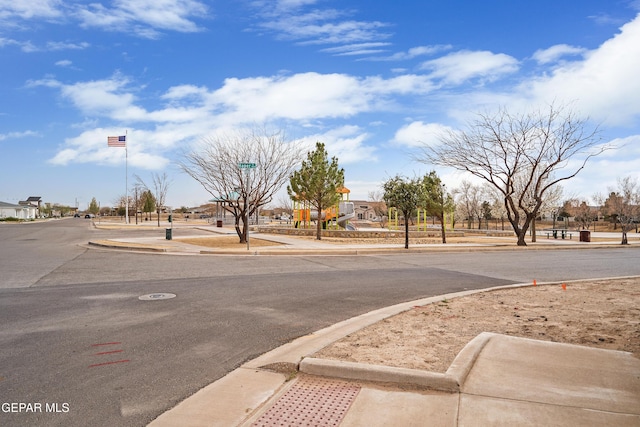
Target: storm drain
column 311, row 401
column 156, row 296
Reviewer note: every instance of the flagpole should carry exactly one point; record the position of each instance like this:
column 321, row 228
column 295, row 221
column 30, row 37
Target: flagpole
column 126, row 177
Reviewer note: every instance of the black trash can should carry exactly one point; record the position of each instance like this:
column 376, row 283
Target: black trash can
column 219, row 223
column 585, row 236
column 168, row 234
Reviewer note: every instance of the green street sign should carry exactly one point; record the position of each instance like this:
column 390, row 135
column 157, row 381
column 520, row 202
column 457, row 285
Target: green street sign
column 246, row 165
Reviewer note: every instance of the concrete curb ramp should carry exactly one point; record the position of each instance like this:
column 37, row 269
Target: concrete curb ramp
column 451, row 381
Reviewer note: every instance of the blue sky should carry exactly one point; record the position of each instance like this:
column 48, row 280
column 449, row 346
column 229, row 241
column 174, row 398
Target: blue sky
column 371, row 79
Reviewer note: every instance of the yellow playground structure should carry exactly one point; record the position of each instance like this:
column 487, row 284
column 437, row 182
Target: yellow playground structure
column 335, row 216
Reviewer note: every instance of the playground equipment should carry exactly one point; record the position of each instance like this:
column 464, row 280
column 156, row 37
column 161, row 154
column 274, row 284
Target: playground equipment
column 421, row 219
column 334, row 216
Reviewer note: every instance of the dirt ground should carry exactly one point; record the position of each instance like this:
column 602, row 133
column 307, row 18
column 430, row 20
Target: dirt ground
column 226, row 242
column 602, row 313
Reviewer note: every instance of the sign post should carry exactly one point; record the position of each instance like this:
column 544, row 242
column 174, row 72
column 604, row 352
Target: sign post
column 246, row 167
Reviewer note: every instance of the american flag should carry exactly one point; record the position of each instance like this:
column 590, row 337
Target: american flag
column 117, row 141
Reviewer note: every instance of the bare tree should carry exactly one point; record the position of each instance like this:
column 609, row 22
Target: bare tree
column 580, row 211
column 521, row 156
column 469, row 201
column 624, row 203
column 496, row 200
column 285, row 205
column 215, row 165
column 376, row 200
column 161, row 184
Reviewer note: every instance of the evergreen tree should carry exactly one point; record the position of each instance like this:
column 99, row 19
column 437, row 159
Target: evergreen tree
column 437, row 202
column 93, row 207
column 317, row 182
column 148, row 203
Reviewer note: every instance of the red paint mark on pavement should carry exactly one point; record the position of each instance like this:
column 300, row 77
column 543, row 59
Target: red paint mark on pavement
column 106, row 345
column 109, row 363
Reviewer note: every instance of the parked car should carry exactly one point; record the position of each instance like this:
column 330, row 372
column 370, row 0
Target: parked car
column 77, row 215
column 89, row 216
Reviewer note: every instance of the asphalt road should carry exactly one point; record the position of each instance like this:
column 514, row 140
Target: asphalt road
column 77, row 340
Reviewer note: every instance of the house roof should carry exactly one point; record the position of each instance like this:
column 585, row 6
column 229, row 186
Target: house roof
column 11, row 205
column 34, row 199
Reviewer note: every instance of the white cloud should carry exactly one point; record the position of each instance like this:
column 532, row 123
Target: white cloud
column 552, row 54
column 64, row 63
column 143, row 17
column 25, row 46
column 298, row 97
column 91, row 147
column 29, row 47
column 12, row 9
column 289, row 21
column 192, row 111
column 346, row 143
column 414, row 52
column 13, row 135
column 311, row 95
column 604, row 85
column 357, row 49
column 54, row 46
column 104, row 97
column 458, row 67
column 418, row 133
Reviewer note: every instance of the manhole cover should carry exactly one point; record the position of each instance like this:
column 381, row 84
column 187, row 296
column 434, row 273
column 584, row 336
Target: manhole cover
column 156, row 296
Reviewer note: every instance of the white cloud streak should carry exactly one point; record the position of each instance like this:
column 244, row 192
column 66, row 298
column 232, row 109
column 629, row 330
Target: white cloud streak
column 554, row 53
column 29, row 9
column 144, row 17
column 15, row 135
column 458, row 67
column 418, row 133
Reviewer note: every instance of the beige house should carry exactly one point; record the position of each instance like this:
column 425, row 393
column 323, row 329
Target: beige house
column 364, row 210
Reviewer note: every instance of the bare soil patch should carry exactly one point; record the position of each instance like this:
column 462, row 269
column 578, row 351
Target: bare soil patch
column 602, row 313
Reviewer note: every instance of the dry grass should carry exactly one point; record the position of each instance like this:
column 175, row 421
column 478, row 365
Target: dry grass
column 226, row 242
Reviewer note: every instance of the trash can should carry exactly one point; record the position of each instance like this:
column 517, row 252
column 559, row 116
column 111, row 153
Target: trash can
column 585, row 236
column 219, row 223
column 168, row 234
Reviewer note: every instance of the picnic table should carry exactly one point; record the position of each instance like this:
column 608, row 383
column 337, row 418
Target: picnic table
column 555, row 231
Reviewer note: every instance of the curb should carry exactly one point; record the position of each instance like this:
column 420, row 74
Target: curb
column 451, row 381
column 346, row 251
column 128, row 246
